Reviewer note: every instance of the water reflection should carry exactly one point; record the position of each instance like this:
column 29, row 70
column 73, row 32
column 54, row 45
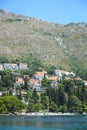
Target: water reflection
column 48, row 122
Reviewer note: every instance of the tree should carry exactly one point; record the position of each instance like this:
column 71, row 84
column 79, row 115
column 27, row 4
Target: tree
column 79, row 82
column 44, row 101
column 1, row 83
column 3, row 108
column 73, row 103
column 26, row 83
column 49, row 92
column 63, row 108
column 50, row 69
column 45, row 83
column 7, row 79
column 69, row 86
column 53, row 107
column 78, row 93
column 11, row 104
column 30, row 107
column 3, row 59
column 34, row 107
column 37, row 107
column 83, row 94
column 61, row 95
column 35, row 96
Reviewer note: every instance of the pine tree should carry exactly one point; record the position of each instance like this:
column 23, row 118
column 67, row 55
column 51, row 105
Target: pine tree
column 61, row 94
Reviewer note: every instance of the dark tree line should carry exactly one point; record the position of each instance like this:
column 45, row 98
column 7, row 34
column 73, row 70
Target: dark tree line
column 68, row 97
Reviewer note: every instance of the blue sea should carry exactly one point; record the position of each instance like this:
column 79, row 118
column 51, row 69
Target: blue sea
column 73, row 122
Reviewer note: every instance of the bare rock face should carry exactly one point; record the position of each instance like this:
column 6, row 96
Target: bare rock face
column 4, row 12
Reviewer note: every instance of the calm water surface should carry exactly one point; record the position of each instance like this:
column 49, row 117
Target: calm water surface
column 43, row 122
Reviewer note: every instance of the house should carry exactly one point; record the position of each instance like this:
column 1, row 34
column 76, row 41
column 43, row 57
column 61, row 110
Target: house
column 66, row 73
column 61, row 73
column 71, row 73
column 68, row 78
column 85, row 82
column 1, row 93
column 19, row 82
column 40, row 75
column 23, row 92
column 39, row 89
column 14, row 92
column 9, row 66
column 1, row 67
column 35, row 84
column 78, row 78
column 23, row 66
column 5, row 92
column 58, row 73
column 53, row 80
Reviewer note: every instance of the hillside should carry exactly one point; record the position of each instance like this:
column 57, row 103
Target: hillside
column 55, row 44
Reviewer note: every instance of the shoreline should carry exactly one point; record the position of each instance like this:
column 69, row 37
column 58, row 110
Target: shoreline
column 47, row 114
column 43, row 114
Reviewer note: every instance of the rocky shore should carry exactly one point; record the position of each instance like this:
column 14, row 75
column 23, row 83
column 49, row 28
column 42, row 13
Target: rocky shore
column 42, row 114
column 46, row 114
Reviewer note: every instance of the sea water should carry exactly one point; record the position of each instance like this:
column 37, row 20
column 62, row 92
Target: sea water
column 73, row 122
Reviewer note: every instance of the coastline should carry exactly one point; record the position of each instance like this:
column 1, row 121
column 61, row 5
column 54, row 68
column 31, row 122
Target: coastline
column 46, row 114
column 42, row 114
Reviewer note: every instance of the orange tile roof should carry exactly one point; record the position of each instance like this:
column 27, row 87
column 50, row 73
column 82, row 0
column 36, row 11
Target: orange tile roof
column 40, row 73
column 53, row 78
column 32, row 80
column 78, row 78
column 19, row 80
column 85, row 81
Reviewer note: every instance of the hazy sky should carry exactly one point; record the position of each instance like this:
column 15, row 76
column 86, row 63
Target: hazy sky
column 57, row 11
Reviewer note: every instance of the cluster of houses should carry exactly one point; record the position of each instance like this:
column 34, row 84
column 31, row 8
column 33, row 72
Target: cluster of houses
column 35, row 81
column 13, row 67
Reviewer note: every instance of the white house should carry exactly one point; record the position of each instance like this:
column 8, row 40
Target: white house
column 10, row 66
column 1, row 93
column 60, row 73
column 85, row 82
column 23, row 66
column 1, row 67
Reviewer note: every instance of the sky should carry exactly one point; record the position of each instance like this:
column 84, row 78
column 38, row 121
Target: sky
column 56, row 11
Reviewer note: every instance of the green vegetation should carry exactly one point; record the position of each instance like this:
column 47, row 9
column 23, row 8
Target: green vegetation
column 78, row 67
column 13, row 20
column 61, row 99
column 45, row 83
column 3, row 60
column 33, row 66
column 22, row 37
column 68, row 96
column 10, row 104
column 7, row 79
